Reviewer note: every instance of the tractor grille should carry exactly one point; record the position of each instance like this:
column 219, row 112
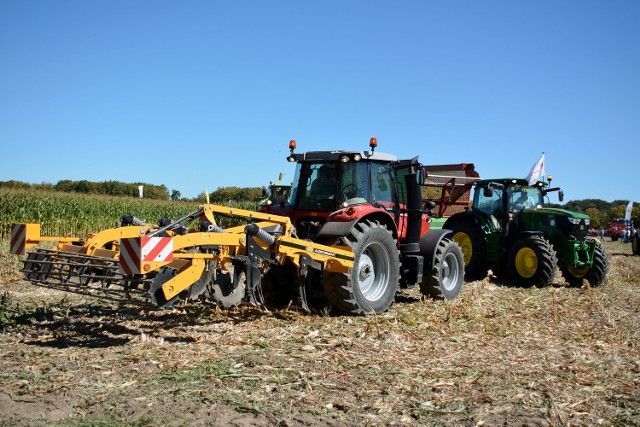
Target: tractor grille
column 577, row 231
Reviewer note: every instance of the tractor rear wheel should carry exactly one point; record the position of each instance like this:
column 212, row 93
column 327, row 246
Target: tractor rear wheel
column 532, row 261
column 635, row 244
column 445, row 279
column 371, row 284
column 473, row 244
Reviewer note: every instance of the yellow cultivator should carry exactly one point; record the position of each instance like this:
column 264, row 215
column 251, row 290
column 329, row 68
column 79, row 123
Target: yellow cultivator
column 161, row 264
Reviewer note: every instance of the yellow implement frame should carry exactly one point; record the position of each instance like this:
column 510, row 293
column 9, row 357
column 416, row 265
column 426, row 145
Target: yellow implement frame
column 256, row 248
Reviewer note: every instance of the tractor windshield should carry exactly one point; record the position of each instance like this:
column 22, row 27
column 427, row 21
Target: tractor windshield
column 489, row 202
column 326, row 185
column 518, row 197
column 525, row 197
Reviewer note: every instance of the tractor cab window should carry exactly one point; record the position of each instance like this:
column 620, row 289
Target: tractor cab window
column 381, row 185
column 326, row 186
column 524, row 197
column 315, row 186
column 354, row 187
column 489, row 204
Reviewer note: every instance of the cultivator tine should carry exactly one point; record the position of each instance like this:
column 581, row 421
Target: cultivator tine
column 254, row 288
column 256, row 254
column 305, row 263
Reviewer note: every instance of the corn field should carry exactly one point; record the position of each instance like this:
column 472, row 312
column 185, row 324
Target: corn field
column 69, row 214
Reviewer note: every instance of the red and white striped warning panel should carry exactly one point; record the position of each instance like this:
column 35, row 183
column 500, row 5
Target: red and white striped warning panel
column 134, row 252
column 18, row 239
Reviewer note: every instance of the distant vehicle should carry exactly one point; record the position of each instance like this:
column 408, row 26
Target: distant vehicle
column 614, row 227
column 276, row 194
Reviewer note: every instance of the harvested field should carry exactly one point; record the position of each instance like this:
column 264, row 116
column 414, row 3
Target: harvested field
column 498, row 355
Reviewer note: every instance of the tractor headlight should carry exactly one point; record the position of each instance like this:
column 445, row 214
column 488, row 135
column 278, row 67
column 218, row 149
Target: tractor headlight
column 587, row 221
column 574, row 221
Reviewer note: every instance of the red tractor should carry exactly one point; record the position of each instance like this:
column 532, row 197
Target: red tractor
column 371, row 202
column 615, row 227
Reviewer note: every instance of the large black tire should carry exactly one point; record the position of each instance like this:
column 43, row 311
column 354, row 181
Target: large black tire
column 635, row 244
column 532, row 261
column 445, row 279
column 473, row 243
column 595, row 274
column 371, row 284
column 600, row 269
column 574, row 276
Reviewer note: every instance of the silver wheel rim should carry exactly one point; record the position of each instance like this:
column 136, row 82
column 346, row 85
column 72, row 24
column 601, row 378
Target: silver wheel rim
column 449, row 272
column 373, row 271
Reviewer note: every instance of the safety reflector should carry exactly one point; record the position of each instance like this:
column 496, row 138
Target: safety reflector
column 18, row 239
column 137, row 251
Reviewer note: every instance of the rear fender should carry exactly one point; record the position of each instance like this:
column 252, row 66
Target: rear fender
column 487, row 223
column 336, row 230
column 429, row 242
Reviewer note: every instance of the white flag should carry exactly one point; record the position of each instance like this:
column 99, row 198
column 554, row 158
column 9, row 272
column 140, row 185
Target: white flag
column 140, row 187
column 627, row 215
column 536, row 171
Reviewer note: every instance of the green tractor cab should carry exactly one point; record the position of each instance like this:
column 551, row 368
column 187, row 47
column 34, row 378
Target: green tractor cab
column 509, row 230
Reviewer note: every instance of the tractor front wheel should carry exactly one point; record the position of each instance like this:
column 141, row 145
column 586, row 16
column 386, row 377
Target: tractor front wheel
column 371, row 284
column 600, row 269
column 532, row 261
column 574, row 276
column 595, row 274
column 446, row 277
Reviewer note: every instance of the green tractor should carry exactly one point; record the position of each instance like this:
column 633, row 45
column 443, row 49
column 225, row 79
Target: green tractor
column 509, row 230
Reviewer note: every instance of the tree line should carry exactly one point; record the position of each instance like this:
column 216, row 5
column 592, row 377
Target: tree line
column 600, row 211
column 109, row 188
column 150, row 191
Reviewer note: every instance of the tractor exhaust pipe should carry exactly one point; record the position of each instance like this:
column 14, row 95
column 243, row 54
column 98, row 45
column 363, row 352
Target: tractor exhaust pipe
column 414, row 213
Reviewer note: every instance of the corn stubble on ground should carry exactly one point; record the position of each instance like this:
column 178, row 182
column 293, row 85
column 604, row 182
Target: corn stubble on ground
column 496, row 356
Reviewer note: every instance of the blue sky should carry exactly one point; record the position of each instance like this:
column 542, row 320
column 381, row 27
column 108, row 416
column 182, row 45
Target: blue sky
column 198, row 95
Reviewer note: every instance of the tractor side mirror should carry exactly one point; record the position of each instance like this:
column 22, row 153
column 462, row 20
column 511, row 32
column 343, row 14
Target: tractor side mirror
column 561, row 195
column 420, row 176
column 264, row 192
column 487, row 192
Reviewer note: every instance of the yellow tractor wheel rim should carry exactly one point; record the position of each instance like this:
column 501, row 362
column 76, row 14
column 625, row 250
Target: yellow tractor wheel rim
column 463, row 240
column 578, row 272
column 526, row 262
